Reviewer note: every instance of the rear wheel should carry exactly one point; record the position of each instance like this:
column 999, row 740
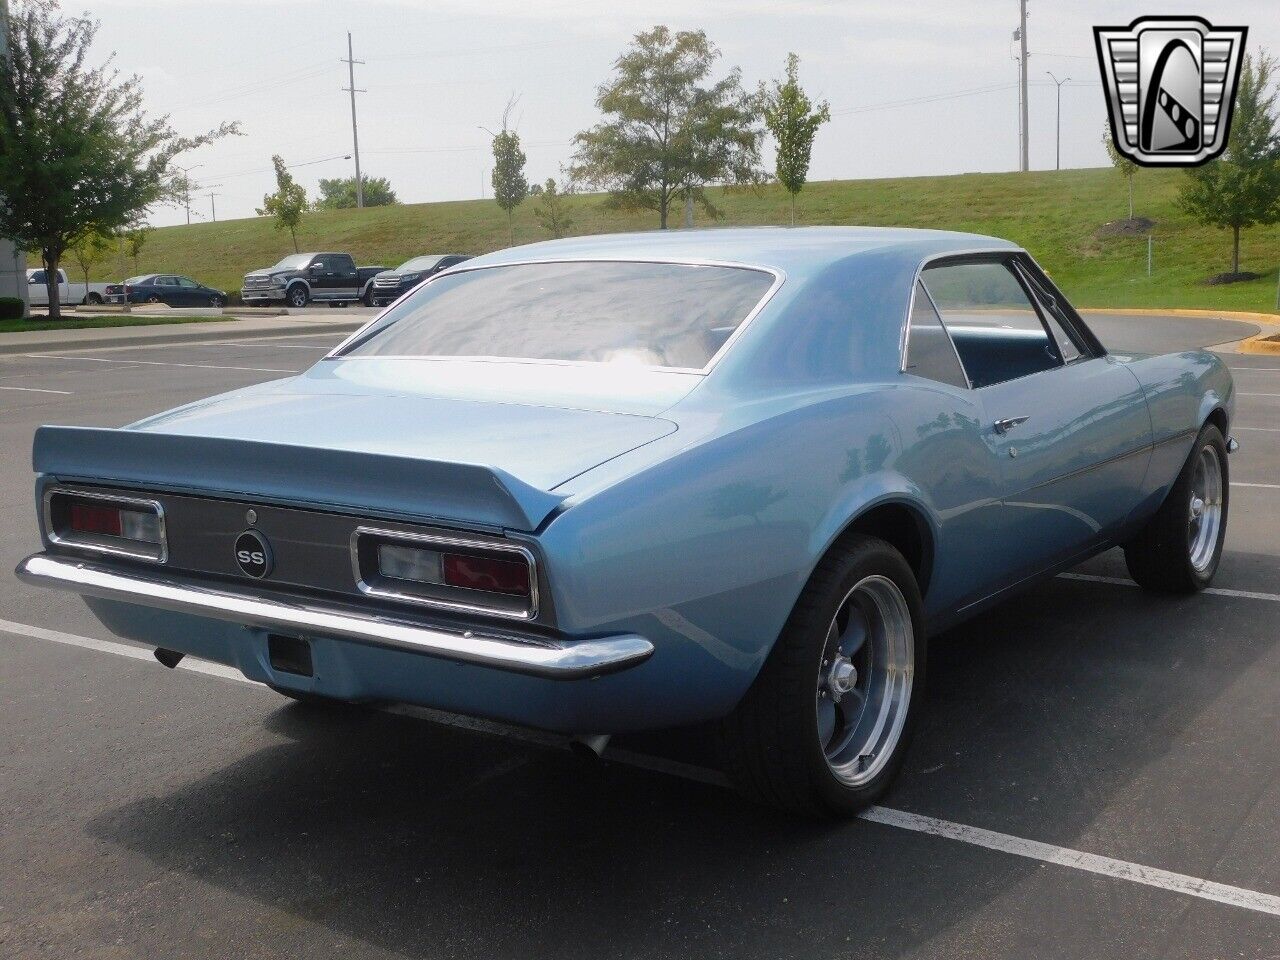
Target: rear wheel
column 94, row 298
column 1179, row 549
column 154, row 299
column 825, row 727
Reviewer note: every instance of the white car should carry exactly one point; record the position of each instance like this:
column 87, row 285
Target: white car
column 69, row 293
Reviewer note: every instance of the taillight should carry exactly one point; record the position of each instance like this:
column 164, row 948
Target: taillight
column 485, row 573
column 106, row 523
column 445, row 571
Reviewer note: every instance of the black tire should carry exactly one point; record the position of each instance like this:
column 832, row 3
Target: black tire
column 298, row 296
column 94, row 298
column 367, row 299
column 1171, row 554
column 772, row 747
column 154, row 299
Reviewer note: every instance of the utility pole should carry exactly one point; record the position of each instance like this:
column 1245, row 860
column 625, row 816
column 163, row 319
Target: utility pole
column 186, row 188
column 213, row 206
column 1022, row 82
column 1057, row 140
column 351, row 62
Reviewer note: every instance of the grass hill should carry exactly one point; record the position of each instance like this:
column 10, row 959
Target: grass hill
column 1055, row 215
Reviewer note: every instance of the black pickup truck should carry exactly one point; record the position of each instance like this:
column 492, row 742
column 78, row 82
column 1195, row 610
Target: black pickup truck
column 302, row 277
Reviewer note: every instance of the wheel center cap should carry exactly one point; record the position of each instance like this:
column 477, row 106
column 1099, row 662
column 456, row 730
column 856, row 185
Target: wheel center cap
column 842, row 677
column 1197, row 507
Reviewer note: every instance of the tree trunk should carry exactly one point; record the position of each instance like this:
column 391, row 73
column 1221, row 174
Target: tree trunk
column 663, row 203
column 511, row 227
column 291, row 234
column 1235, row 248
column 1131, row 196
column 51, row 284
column 688, row 207
column 793, row 208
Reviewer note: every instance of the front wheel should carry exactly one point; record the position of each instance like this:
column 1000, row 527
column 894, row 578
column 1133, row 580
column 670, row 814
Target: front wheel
column 825, row 727
column 217, row 302
column 1179, row 549
column 367, row 299
column 298, row 296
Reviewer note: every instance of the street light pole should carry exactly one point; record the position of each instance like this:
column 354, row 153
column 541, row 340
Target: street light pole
column 1057, row 148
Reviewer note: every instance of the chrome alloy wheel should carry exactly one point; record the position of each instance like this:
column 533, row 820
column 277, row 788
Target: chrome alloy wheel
column 1204, row 513
column 864, row 681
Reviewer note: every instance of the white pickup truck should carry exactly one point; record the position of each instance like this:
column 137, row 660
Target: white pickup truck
column 68, row 293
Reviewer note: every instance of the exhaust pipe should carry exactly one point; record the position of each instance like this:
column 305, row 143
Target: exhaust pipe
column 170, row 658
column 589, row 746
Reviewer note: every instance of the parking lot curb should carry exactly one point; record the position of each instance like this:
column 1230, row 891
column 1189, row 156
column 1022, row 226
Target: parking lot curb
column 153, row 337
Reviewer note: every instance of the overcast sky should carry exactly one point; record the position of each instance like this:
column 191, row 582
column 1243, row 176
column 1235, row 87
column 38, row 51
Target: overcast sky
column 916, row 87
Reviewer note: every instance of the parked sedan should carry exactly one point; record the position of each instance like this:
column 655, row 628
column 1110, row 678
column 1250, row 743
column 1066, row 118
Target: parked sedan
column 391, row 284
column 166, row 288
column 630, row 482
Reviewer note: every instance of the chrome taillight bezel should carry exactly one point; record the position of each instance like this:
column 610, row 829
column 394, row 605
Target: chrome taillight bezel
column 62, row 536
column 369, row 581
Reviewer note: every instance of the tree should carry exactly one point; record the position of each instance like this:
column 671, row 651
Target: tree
column 509, row 184
column 287, row 204
column 340, row 193
column 794, row 121
column 88, row 251
column 668, row 134
column 1126, row 167
column 135, row 238
column 552, row 211
column 1242, row 187
column 78, row 154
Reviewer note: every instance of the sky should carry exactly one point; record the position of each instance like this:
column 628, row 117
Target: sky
column 916, row 87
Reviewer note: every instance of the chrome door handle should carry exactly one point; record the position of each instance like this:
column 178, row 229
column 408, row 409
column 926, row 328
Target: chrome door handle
column 1008, row 423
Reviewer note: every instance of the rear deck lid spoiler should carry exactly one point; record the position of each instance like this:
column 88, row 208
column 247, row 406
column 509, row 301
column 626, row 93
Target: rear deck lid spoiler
column 345, row 479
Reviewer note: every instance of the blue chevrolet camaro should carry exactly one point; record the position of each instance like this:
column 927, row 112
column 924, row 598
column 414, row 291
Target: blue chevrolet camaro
column 637, row 481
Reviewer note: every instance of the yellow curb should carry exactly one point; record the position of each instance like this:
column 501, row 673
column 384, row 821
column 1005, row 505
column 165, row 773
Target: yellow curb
column 1262, row 343
column 1217, row 314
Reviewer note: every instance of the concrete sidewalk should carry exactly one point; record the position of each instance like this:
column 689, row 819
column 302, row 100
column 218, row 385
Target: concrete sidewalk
column 96, row 338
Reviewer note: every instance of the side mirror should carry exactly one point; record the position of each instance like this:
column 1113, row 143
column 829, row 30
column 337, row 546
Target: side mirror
column 316, row 267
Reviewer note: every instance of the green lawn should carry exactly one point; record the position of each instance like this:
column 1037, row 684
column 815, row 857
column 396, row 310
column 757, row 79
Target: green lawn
column 1055, row 215
column 101, row 320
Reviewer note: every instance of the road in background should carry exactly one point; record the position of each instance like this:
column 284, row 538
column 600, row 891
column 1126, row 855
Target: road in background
column 153, row 813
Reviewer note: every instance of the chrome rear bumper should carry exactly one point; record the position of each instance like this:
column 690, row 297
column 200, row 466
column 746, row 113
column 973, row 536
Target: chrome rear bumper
column 534, row 656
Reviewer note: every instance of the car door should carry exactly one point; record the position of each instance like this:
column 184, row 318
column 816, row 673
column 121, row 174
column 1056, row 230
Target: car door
column 345, row 277
column 187, row 293
column 1067, row 424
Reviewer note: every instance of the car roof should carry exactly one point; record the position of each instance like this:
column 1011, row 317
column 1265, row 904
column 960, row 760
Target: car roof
column 788, row 249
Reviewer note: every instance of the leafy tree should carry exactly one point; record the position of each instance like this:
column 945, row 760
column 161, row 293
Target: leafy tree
column 666, row 133
column 340, row 193
column 78, row 154
column 793, row 120
column 1126, row 167
column 552, row 211
column 287, row 204
column 135, row 238
column 88, row 251
column 1242, row 187
column 509, row 184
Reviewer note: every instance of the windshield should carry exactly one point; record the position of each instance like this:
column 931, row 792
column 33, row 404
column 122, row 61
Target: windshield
column 295, row 262
column 652, row 314
column 419, row 263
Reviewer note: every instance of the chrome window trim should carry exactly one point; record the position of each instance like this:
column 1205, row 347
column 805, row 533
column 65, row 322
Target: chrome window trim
column 531, row 613
column 156, row 506
column 779, row 277
column 1039, row 295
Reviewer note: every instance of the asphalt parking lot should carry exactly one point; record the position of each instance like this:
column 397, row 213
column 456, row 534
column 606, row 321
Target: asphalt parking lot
column 1098, row 774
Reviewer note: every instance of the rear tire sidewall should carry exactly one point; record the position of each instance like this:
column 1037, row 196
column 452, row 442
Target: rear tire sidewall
column 1210, row 436
column 873, row 558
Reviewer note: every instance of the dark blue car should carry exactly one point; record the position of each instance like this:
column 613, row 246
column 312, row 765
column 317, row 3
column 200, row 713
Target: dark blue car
column 166, row 288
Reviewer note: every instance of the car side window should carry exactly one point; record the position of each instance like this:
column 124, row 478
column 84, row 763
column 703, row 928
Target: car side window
column 186, row 282
column 930, row 353
column 1071, row 343
column 995, row 326
column 37, row 277
column 341, row 263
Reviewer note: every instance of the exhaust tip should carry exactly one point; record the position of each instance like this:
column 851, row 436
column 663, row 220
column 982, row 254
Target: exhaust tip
column 589, row 746
column 170, row 658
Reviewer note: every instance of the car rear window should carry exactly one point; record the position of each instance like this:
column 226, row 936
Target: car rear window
column 652, row 314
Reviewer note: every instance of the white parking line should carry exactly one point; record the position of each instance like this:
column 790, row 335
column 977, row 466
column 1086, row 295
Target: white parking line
column 1263, row 486
column 1261, row 429
column 37, row 390
column 1179, row 883
column 157, row 363
column 1215, row 591
column 1258, row 394
column 1078, row 860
